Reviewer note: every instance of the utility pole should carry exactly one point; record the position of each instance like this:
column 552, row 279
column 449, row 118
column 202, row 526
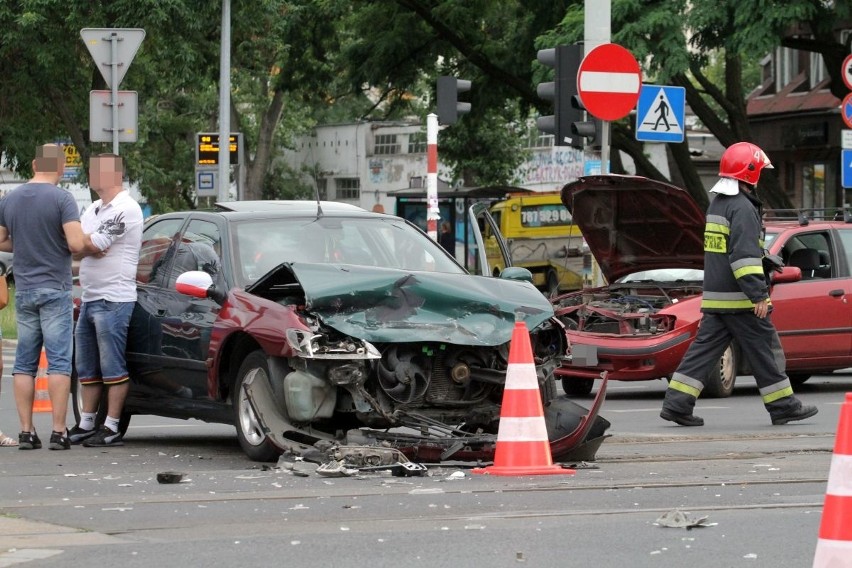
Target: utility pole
column 225, row 104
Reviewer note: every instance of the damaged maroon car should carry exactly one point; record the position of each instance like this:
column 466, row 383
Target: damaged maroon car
column 321, row 327
column 648, row 239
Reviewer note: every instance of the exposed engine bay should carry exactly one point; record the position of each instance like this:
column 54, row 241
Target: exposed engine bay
column 442, row 398
column 629, row 308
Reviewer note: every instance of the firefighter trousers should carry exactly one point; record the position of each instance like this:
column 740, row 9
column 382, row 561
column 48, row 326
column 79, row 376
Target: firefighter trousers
column 759, row 344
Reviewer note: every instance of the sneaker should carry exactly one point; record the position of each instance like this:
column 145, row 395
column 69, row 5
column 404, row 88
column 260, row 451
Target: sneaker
column 59, row 441
column 798, row 414
column 28, row 441
column 104, row 438
column 77, row 434
column 682, row 419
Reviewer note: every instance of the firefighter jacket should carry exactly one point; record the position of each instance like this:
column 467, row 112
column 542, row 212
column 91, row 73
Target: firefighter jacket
column 734, row 279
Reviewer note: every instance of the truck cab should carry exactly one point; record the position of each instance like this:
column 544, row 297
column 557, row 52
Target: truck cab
column 541, row 237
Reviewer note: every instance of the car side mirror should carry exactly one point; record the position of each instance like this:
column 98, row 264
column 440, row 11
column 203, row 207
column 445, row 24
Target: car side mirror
column 516, row 273
column 199, row 284
column 787, row 274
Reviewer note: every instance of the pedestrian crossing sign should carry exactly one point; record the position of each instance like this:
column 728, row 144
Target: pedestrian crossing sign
column 660, row 114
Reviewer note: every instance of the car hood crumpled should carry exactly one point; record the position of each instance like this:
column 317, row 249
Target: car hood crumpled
column 633, row 223
column 385, row 305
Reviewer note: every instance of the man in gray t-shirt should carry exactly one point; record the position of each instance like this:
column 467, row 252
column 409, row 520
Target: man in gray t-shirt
column 40, row 224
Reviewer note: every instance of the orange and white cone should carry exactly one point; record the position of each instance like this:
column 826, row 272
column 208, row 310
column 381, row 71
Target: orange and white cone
column 834, row 547
column 41, row 401
column 522, row 444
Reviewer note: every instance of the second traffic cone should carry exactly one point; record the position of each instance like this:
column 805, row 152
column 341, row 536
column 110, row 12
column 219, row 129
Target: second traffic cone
column 834, row 547
column 522, row 444
column 41, row 401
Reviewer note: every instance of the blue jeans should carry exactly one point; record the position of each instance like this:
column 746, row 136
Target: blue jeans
column 102, row 341
column 45, row 317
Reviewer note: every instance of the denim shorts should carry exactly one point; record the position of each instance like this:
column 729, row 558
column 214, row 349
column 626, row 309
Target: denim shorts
column 45, row 317
column 102, row 341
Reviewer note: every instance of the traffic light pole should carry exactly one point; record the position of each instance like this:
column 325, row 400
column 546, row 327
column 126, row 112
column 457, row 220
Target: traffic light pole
column 433, row 213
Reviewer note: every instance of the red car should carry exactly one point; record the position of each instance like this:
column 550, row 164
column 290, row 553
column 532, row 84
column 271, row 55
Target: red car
column 648, row 238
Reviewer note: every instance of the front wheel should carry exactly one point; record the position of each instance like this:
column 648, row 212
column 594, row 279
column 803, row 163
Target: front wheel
column 720, row 383
column 253, row 440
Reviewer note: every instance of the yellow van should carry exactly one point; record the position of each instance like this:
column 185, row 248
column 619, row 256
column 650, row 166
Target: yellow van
column 538, row 230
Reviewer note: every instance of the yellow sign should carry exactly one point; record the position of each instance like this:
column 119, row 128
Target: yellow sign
column 207, row 149
column 72, row 156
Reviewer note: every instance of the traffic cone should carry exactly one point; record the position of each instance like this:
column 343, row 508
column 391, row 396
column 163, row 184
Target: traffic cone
column 41, row 401
column 522, row 444
column 834, row 547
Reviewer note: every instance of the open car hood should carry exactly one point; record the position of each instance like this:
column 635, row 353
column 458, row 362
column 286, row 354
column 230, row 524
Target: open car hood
column 386, row 305
column 633, row 223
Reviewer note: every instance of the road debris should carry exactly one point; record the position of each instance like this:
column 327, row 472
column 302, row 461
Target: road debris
column 679, row 520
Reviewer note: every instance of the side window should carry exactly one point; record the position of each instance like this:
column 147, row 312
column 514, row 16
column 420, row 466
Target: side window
column 846, row 239
column 155, row 241
column 812, row 253
column 199, row 249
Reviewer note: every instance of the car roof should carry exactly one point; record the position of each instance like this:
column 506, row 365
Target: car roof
column 289, row 206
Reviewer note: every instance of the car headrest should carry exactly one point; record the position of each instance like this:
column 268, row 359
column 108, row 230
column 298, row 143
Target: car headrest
column 805, row 259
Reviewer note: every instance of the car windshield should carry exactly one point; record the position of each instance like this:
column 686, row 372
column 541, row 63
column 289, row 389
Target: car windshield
column 768, row 239
column 665, row 275
column 386, row 242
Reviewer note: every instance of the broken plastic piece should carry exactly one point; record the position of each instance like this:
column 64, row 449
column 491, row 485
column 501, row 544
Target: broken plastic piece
column 678, row 520
column 335, row 468
column 169, row 477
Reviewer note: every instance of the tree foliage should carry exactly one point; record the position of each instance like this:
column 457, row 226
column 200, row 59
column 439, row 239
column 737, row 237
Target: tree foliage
column 296, row 63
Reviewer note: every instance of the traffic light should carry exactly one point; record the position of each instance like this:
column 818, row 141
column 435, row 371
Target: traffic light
column 449, row 107
column 585, row 132
column 565, row 60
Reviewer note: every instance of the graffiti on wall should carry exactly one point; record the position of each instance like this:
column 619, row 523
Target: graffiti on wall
column 558, row 165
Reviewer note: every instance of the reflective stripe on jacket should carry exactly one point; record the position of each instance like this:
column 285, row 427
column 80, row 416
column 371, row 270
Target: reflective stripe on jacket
column 733, row 248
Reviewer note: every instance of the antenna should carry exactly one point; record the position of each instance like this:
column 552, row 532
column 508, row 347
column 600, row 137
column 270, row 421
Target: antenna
column 316, row 191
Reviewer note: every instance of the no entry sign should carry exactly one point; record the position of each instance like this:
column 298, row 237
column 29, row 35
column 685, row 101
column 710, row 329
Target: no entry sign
column 609, row 81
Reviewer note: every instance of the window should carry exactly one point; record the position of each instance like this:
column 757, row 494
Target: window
column 818, row 72
column 813, row 186
column 199, row 249
column 786, row 66
column 348, row 188
column 322, row 188
column 417, row 143
column 386, row 144
column 155, row 241
column 538, row 139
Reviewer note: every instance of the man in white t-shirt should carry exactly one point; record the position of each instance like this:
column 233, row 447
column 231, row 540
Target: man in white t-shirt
column 108, row 279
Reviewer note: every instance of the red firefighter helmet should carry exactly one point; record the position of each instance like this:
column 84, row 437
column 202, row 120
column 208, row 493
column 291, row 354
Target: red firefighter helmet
column 743, row 161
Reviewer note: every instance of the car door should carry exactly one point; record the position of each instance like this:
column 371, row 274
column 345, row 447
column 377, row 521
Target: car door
column 186, row 323
column 483, row 224
column 814, row 315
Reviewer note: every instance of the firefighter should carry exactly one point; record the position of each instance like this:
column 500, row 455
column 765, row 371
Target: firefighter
column 736, row 304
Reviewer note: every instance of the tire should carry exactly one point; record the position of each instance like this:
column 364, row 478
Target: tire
column 577, row 387
column 253, row 441
column 720, row 382
column 798, row 379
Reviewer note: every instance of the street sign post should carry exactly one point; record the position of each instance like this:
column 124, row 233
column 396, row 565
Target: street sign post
column 113, row 49
column 113, row 121
column 846, row 72
column 609, row 82
column 660, row 114
column 846, row 168
column 846, row 110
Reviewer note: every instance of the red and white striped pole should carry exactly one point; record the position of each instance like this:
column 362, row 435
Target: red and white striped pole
column 433, row 213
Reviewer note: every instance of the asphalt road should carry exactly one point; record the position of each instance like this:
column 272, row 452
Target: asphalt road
column 761, row 488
